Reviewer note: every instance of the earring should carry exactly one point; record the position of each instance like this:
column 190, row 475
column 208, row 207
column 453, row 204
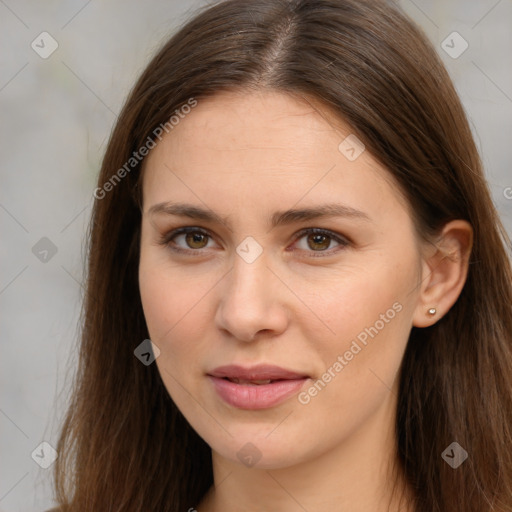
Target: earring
column 432, row 311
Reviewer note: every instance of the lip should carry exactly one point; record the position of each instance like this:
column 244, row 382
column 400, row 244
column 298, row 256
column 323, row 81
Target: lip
column 256, row 396
column 258, row 372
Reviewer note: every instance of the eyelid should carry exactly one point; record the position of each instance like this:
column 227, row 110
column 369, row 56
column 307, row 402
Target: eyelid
column 166, row 239
column 343, row 241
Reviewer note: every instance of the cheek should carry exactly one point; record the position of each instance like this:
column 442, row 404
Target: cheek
column 157, row 299
column 355, row 299
column 360, row 363
column 370, row 312
column 179, row 315
column 173, row 305
column 168, row 294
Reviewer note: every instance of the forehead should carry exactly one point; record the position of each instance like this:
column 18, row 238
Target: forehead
column 255, row 121
column 241, row 147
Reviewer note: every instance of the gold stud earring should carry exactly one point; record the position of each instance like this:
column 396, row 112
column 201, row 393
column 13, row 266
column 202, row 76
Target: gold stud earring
column 432, row 311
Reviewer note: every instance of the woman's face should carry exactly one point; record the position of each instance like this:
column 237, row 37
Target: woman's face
column 260, row 286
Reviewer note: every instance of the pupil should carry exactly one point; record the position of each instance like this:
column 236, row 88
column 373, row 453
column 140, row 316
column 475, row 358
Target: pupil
column 322, row 240
column 193, row 238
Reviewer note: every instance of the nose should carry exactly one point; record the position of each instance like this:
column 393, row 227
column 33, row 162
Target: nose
column 251, row 303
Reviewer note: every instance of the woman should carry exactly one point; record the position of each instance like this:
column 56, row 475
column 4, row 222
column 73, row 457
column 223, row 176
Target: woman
column 292, row 209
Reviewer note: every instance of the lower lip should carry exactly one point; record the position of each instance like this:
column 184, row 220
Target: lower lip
column 260, row 396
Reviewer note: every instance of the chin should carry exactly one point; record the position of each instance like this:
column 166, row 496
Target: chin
column 256, row 450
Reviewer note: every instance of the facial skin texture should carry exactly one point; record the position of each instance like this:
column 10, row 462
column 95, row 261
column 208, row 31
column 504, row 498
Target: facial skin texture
column 245, row 156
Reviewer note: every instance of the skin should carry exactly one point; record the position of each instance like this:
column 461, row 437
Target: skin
column 246, row 155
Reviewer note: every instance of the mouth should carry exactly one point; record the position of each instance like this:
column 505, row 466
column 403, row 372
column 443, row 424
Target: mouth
column 259, row 387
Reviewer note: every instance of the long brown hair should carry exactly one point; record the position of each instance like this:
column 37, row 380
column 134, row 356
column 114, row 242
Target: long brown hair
column 124, row 445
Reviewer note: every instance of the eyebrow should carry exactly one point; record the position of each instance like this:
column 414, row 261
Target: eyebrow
column 279, row 218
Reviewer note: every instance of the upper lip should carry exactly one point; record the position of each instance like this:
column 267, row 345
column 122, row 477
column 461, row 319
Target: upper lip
column 258, row 372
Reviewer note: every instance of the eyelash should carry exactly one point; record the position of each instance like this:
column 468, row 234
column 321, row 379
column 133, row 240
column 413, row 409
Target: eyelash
column 167, row 239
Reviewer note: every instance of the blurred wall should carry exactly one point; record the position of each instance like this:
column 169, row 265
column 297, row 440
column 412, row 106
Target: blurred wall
column 58, row 106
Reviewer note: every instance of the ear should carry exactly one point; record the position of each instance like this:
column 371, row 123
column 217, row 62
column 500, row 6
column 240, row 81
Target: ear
column 444, row 272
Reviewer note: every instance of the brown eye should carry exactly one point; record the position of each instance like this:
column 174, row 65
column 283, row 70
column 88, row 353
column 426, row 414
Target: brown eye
column 187, row 240
column 196, row 239
column 318, row 241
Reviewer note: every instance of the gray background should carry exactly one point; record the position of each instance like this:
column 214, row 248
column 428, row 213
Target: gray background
column 57, row 114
